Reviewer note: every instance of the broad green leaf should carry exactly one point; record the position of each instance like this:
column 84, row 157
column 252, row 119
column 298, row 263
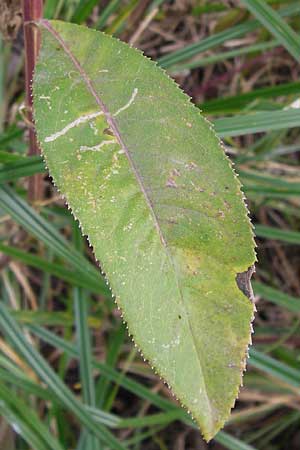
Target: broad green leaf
column 148, row 180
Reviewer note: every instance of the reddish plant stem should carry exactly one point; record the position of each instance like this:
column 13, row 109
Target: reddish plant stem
column 32, row 10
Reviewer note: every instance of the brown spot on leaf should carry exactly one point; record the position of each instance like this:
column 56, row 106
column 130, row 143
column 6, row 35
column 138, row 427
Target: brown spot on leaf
column 171, row 183
column 243, row 281
column 232, row 366
column 191, row 165
column 175, row 173
column 108, row 131
column 172, row 220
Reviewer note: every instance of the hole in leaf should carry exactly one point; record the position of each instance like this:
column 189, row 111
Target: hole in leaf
column 243, row 281
column 108, row 131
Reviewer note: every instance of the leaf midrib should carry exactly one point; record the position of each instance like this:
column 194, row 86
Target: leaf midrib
column 114, row 127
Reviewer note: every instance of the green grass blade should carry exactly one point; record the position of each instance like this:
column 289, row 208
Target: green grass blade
column 113, row 349
column 50, row 318
column 28, row 424
column 113, row 421
column 269, row 180
column 23, row 382
column 205, row 44
column 276, row 296
column 35, row 224
column 84, row 348
column 83, row 10
column 50, row 8
column 268, row 185
column 23, row 167
column 133, row 386
column 107, row 371
column 8, row 157
column 111, row 7
column 291, row 237
column 257, row 359
column 219, row 38
column 276, row 428
column 222, row 56
column 274, row 368
column 70, row 276
column 7, row 137
column 32, row 357
column 238, row 102
column 146, row 421
column 276, row 25
column 231, row 442
column 258, row 122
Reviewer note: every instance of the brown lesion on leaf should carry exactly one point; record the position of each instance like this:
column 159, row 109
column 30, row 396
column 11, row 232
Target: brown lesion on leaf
column 243, row 281
column 197, row 188
column 193, row 262
column 191, row 166
column 175, row 173
column 172, row 221
column 227, row 204
column 108, row 131
column 171, row 182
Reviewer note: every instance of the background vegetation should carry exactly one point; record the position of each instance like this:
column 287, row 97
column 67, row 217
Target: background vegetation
column 69, row 376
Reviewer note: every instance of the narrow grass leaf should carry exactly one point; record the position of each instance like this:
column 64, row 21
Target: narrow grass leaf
column 133, row 386
column 24, row 167
column 25, row 421
column 226, row 105
column 32, row 357
column 9, row 157
column 106, row 370
column 83, row 10
column 257, row 122
column 222, row 56
column 111, row 7
column 277, row 234
column 57, row 269
column 219, row 38
column 274, row 368
column 83, row 341
column 231, row 442
column 25, row 383
column 27, row 217
column 113, row 350
column 276, row 25
column 276, row 296
column 51, row 318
